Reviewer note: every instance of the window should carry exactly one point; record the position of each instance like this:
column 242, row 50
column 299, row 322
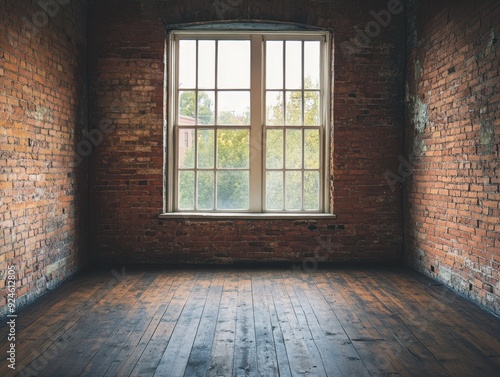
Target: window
column 248, row 122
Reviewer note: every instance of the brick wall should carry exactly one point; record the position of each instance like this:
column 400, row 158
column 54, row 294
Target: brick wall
column 42, row 113
column 452, row 196
column 126, row 68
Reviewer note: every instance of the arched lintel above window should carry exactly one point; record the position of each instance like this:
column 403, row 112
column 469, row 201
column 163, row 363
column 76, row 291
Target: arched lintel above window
column 247, row 25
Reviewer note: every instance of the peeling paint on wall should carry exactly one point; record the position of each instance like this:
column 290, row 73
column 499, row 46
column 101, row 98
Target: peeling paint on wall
column 418, row 71
column 416, row 107
column 418, row 112
column 491, row 43
column 420, row 115
column 487, row 137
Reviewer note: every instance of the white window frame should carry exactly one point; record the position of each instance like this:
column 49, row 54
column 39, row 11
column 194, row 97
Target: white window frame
column 257, row 125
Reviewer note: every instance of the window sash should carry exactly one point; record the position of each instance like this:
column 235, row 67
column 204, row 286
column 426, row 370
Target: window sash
column 257, row 149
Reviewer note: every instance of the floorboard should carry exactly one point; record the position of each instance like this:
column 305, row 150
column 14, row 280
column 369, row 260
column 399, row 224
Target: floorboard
column 213, row 322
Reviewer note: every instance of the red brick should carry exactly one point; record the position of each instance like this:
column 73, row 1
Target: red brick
column 454, row 149
column 364, row 146
column 31, row 157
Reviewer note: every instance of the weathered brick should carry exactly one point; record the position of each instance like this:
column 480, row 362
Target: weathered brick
column 449, row 170
column 35, row 170
column 126, row 70
column 450, row 71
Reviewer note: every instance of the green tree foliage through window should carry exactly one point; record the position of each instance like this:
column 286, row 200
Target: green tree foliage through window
column 232, row 152
column 215, row 129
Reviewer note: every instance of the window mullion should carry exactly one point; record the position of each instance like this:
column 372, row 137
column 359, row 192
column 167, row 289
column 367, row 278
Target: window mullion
column 303, row 116
column 196, row 117
column 256, row 128
column 325, row 122
column 171, row 135
column 216, row 121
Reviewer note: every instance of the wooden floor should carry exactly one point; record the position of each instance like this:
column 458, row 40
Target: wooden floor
column 275, row 322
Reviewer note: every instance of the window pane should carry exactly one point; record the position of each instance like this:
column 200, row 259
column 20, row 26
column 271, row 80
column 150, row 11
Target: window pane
column 186, row 148
column 233, row 65
column 274, row 190
column 311, row 108
column 206, row 149
column 232, row 190
column 274, row 65
column 187, row 108
column 206, row 107
column 187, row 64
column 214, row 124
column 294, row 108
column 311, row 190
column 274, row 149
column 233, row 108
column 233, row 149
column 205, row 190
column 293, row 65
column 186, row 190
column 206, row 64
column 311, row 149
column 293, row 192
column 311, row 65
column 274, row 108
column 294, row 149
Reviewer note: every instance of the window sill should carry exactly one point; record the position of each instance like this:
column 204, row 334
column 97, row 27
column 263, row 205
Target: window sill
column 247, row 216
